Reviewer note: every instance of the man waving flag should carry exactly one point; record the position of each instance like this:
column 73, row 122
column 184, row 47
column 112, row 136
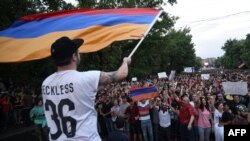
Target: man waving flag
column 30, row 37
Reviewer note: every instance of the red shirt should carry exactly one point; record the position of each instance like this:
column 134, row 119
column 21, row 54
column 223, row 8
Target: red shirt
column 132, row 112
column 185, row 113
column 5, row 104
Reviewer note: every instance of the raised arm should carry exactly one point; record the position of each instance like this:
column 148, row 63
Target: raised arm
column 115, row 76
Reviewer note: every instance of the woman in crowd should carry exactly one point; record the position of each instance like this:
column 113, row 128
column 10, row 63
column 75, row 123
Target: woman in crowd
column 38, row 117
column 115, row 112
column 204, row 120
column 134, row 123
column 37, row 113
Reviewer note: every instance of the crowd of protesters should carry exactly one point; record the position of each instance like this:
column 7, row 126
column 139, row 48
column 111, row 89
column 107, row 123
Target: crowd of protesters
column 187, row 108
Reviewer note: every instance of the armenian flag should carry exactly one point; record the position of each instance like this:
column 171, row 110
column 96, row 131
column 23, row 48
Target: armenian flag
column 143, row 93
column 241, row 63
column 30, row 37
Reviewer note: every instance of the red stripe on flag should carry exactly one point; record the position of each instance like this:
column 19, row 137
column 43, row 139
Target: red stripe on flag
column 144, row 96
column 121, row 11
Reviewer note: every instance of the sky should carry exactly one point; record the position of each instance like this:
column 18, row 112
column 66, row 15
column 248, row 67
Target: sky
column 231, row 21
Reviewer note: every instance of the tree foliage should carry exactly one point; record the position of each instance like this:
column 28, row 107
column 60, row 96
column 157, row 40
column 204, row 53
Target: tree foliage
column 234, row 51
column 164, row 49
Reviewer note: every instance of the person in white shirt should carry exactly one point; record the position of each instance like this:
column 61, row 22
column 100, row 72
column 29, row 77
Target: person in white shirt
column 115, row 112
column 165, row 122
column 69, row 95
column 219, row 130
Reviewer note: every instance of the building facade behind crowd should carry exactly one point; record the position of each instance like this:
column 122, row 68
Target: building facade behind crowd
column 187, row 108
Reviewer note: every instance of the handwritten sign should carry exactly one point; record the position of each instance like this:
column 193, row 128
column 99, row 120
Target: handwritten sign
column 134, row 79
column 235, row 88
column 172, row 75
column 189, row 69
column 205, row 76
column 162, row 75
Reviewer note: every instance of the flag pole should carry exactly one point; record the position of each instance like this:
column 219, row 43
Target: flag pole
column 146, row 33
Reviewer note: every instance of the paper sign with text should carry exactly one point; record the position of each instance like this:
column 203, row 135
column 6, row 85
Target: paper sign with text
column 172, row 75
column 134, row 79
column 205, row 76
column 235, row 88
column 162, row 75
column 189, row 69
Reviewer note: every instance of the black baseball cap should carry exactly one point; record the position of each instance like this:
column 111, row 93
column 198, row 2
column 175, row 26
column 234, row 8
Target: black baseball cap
column 64, row 47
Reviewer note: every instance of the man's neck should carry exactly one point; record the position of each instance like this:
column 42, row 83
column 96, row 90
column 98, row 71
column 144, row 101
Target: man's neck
column 66, row 67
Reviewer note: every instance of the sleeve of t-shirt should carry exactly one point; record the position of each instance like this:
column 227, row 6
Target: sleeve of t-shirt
column 112, row 109
column 191, row 110
column 92, row 78
column 127, row 111
column 216, row 116
column 32, row 113
column 137, row 111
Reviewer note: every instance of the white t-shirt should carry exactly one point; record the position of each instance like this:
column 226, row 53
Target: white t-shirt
column 165, row 119
column 219, row 130
column 69, row 98
column 217, row 116
column 192, row 103
column 116, row 111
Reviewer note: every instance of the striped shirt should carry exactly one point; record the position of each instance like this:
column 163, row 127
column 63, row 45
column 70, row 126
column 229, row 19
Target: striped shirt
column 144, row 110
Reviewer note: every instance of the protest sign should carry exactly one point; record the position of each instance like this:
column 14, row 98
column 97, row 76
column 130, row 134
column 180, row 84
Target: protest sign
column 205, row 76
column 189, row 69
column 162, row 75
column 235, row 88
column 172, row 75
column 134, row 79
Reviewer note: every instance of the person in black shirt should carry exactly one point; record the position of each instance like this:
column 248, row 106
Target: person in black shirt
column 106, row 113
column 101, row 120
column 118, row 134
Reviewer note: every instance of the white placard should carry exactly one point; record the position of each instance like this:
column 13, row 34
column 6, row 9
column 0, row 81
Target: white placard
column 162, row 75
column 172, row 75
column 189, row 69
column 205, row 76
column 134, row 79
column 235, row 88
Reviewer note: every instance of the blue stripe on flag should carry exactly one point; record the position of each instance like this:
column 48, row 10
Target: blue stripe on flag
column 33, row 29
column 143, row 91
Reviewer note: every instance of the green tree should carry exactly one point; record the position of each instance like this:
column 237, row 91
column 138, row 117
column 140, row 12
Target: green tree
column 218, row 62
column 198, row 63
column 233, row 51
column 246, row 51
